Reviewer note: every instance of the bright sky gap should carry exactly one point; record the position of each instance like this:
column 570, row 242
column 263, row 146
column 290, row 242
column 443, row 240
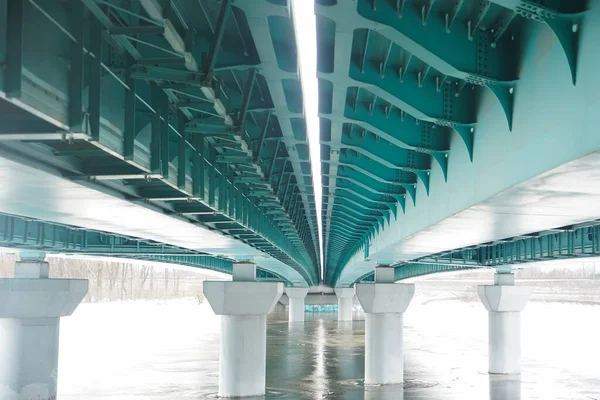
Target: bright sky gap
column 306, row 38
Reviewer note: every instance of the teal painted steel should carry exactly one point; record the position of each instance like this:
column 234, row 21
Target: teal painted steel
column 28, row 234
column 414, row 270
column 407, row 84
column 578, row 241
column 569, row 242
column 194, row 107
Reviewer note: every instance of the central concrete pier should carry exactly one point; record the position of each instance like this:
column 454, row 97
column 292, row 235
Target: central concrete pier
column 504, row 302
column 384, row 303
column 243, row 305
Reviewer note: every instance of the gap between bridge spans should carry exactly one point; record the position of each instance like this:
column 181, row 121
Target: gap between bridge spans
column 306, row 38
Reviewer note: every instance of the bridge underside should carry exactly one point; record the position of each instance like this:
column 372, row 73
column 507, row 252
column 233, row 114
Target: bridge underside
column 444, row 126
column 179, row 122
column 448, row 125
column 454, row 135
column 550, row 217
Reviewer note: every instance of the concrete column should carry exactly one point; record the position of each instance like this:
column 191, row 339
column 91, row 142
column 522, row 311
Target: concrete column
column 243, row 305
column 504, row 301
column 384, row 303
column 30, row 309
column 345, row 299
column 376, row 392
column 502, row 388
column 296, row 295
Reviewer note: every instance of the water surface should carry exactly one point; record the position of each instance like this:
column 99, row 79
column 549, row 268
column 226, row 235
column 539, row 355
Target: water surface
column 157, row 350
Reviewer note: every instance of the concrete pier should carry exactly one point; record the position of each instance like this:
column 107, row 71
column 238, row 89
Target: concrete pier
column 384, row 303
column 243, row 305
column 31, row 306
column 296, row 295
column 345, row 299
column 504, row 302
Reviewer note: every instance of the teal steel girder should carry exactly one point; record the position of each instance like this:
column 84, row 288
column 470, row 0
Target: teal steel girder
column 397, row 78
column 420, row 97
column 365, row 143
column 564, row 243
column 352, row 164
column 28, row 234
column 578, row 241
column 384, row 120
column 193, row 103
column 407, row 271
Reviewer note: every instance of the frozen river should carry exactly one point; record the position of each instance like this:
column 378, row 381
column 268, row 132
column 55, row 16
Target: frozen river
column 157, row 350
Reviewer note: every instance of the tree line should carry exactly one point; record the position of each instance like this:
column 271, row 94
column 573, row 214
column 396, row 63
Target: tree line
column 116, row 280
column 580, row 270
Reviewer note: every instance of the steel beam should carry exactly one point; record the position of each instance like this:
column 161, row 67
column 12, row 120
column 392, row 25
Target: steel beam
column 129, row 131
column 13, row 71
column 216, row 44
column 94, row 77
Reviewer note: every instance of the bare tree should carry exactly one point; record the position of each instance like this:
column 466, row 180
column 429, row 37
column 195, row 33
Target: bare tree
column 166, row 282
column 143, row 277
column 131, row 272
column 116, row 280
column 99, row 280
column 58, row 267
column 176, row 280
column 123, row 271
column 113, row 273
column 151, row 282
